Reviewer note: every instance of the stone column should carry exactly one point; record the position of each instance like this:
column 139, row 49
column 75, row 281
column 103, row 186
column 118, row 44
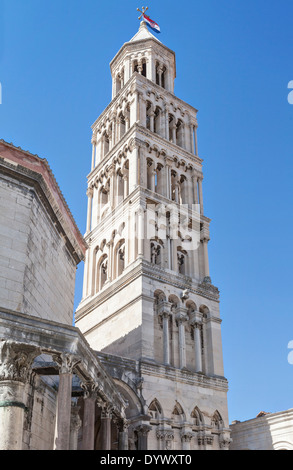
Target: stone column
column 206, row 258
column 200, row 195
column 63, row 413
column 75, row 425
column 111, row 268
column 142, row 433
column 181, row 318
column 165, row 438
column 122, row 425
column 15, row 369
column 106, row 419
column 112, row 186
column 164, row 311
column 197, row 326
column 168, row 165
column 192, row 138
column 152, row 115
column 140, row 234
column 186, row 437
column 125, row 186
column 88, row 428
column 133, row 165
column 89, row 194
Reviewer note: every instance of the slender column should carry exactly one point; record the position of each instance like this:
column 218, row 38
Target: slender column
column 133, row 165
column 114, row 130
column 15, row 369
column 89, row 194
column 186, row 437
column 200, row 195
column 66, row 363
column 166, row 338
column 75, row 425
column 112, row 192
column 168, row 165
column 125, row 186
column 110, row 264
column 165, row 438
column 164, row 311
column 177, row 192
column 106, row 419
column 167, row 136
column 206, row 258
column 88, row 430
column 122, row 425
column 181, row 318
column 198, row 347
column 152, row 115
column 195, row 188
column 142, row 433
column 140, row 234
column 192, row 138
column 173, row 128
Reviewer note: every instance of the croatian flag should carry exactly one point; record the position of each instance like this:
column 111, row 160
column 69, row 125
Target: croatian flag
column 152, row 24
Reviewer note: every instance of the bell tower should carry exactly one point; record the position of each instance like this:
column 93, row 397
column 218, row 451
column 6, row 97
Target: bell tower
column 147, row 293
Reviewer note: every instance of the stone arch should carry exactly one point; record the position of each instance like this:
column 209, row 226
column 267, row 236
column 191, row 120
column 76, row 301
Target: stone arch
column 197, row 416
column 101, row 272
column 204, row 310
column 191, row 306
column 119, row 258
column 174, row 300
column 155, row 410
column 217, row 421
column 178, row 416
column 157, row 247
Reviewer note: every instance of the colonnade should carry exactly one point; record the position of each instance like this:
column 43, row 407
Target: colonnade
column 17, row 375
column 182, row 316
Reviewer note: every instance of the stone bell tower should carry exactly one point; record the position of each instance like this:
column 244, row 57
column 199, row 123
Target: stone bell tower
column 147, row 293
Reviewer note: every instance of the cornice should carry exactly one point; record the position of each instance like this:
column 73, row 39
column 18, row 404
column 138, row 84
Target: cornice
column 74, row 240
column 183, row 376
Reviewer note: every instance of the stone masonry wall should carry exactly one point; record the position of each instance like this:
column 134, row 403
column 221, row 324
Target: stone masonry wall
column 37, row 274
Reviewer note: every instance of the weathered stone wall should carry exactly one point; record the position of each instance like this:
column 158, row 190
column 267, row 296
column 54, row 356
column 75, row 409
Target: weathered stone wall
column 37, row 273
column 40, row 420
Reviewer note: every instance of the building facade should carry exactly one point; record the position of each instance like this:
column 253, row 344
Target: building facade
column 148, row 300
column 268, row 431
column 143, row 366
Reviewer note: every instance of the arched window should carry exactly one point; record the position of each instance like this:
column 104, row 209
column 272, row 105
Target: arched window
column 178, row 415
column 197, row 417
column 182, row 262
column 155, row 410
column 157, row 120
column 156, row 252
column 161, row 75
column 102, row 272
column 120, row 258
column 122, row 124
column 180, row 133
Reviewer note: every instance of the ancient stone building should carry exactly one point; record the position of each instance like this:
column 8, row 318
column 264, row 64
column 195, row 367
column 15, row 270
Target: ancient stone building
column 142, row 368
column 148, row 303
column 267, row 431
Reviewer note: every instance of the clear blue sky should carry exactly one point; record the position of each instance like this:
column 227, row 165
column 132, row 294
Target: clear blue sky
column 234, row 63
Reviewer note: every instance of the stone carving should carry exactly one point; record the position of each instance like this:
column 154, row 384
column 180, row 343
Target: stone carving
column 16, row 361
column 66, row 362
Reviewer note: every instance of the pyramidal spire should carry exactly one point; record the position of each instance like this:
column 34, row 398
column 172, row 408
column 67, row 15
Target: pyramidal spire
column 143, row 33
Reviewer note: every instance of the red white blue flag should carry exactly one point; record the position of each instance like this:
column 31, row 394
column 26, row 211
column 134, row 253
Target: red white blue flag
column 152, row 24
